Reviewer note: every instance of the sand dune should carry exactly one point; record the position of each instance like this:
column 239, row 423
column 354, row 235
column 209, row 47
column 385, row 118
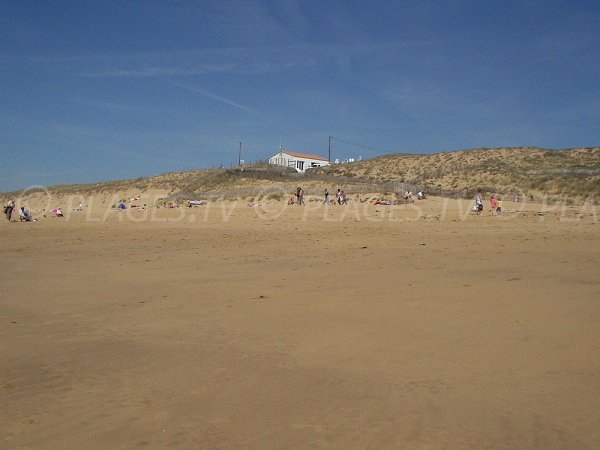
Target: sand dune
column 532, row 172
column 231, row 326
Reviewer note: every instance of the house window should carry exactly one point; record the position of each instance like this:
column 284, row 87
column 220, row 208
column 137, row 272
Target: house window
column 300, row 165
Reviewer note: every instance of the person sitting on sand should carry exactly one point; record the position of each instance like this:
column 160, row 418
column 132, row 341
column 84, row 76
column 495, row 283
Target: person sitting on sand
column 57, row 212
column 382, row 201
column 24, row 215
column 291, row 201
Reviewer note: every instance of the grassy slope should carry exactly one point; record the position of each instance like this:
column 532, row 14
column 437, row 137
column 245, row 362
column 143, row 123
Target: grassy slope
column 573, row 173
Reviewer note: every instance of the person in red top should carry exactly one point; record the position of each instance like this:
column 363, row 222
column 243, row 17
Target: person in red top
column 493, row 204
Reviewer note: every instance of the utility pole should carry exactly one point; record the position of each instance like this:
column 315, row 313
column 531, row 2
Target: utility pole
column 329, row 149
column 240, row 155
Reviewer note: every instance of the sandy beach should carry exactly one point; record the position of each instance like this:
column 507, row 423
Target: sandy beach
column 228, row 326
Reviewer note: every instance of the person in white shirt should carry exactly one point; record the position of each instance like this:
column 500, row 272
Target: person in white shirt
column 479, row 202
column 24, row 215
column 8, row 209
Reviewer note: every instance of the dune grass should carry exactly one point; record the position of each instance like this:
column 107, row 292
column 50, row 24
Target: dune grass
column 572, row 174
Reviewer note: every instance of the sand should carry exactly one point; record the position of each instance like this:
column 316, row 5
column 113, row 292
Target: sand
column 231, row 326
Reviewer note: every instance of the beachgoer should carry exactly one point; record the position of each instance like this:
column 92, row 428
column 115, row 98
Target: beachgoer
column 291, row 201
column 8, row 209
column 338, row 196
column 479, row 202
column 300, row 196
column 24, row 215
column 499, row 206
column 326, row 200
column 343, row 200
column 516, row 198
column 493, row 204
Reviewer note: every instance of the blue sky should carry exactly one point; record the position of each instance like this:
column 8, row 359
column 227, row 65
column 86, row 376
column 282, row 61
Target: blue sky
column 92, row 91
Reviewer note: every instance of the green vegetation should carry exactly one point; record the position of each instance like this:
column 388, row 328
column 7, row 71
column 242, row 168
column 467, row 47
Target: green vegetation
column 572, row 174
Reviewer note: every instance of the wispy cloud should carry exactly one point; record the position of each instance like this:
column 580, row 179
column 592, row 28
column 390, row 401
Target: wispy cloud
column 210, row 95
column 119, row 108
column 75, row 140
column 230, row 60
column 248, row 60
column 565, row 42
column 150, row 69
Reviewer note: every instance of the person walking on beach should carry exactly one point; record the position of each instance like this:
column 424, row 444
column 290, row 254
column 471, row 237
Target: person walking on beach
column 8, row 209
column 479, row 202
column 493, row 203
column 343, row 200
column 300, row 195
column 338, row 196
column 326, row 200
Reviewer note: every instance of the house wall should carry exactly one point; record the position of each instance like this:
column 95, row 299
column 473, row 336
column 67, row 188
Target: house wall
column 300, row 164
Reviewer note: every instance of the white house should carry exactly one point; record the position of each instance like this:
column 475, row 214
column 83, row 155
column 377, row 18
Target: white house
column 298, row 161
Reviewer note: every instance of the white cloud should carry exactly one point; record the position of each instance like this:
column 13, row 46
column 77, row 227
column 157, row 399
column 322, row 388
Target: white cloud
column 212, row 96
